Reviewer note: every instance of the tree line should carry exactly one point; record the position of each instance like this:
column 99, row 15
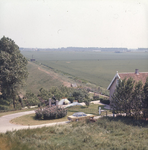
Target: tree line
column 131, row 98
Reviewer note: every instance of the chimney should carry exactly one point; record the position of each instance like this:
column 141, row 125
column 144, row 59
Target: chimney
column 137, row 71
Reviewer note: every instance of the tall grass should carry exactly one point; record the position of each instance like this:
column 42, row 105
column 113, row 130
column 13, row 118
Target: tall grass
column 106, row 133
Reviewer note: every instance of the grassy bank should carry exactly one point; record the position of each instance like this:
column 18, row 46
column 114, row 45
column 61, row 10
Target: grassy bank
column 38, row 79
column 106, row 133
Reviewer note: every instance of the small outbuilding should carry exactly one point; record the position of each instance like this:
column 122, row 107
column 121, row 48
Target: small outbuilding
column 64, row 102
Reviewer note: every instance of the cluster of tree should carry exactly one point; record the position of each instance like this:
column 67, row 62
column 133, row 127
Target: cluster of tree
column 57, row 93
column 30, row 99
column 131, row 98
column 13, row 71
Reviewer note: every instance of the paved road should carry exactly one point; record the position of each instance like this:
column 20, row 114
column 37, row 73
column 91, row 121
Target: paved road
column 5, row 124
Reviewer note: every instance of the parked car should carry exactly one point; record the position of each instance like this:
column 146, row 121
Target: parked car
column 80, row 116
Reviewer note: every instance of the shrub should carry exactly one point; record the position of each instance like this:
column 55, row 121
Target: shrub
column 104, row 101
column 39, row 113
column 71, row 99
column 87, row 102
column 51, row 113
column 95, row 97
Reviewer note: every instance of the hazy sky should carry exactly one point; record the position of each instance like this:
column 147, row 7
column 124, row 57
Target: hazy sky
column 77, row 23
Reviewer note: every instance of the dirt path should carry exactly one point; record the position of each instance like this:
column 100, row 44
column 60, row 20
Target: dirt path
column 55, row 76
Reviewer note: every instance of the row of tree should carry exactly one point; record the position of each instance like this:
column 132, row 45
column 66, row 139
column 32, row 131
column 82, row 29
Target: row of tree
column 131, row 98
column 57, row 93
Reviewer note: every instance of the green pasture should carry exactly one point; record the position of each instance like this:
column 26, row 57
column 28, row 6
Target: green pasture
column 96, row 67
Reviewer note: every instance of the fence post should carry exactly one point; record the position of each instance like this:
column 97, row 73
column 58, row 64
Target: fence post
column 49, row 102
column 99, row 110
column 57, row 102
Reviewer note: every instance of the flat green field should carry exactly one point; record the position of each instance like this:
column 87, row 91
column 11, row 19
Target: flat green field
column 96, row 67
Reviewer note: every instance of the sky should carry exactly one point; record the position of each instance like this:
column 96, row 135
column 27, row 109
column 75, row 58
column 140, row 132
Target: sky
column 76, row 23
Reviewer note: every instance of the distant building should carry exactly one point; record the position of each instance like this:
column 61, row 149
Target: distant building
column 137, row 76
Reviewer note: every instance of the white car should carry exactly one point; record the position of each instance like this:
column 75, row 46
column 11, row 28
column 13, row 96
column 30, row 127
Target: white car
column 80, row 116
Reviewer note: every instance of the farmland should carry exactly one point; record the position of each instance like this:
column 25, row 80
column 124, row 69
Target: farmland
column 96, row 67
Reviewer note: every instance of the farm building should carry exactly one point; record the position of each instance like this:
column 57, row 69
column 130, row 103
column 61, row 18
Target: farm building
column 137, row 76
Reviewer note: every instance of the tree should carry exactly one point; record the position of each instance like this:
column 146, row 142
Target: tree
column 56, row 92
column 137, row 99
column 145, row 89
column 122, row 97
column 44, row 94
column 31, row 99
column 131, row 98
column 87, row 102
column 145, row 99
column 80, row 94
column 13, row 71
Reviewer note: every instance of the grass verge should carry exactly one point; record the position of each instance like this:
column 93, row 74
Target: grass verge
column 107, row 133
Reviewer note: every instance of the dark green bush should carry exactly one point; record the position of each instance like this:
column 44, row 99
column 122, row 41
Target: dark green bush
column 95, row 97
column 39, row 113
column 71, row 99
column 51, row 113
column 104, row 101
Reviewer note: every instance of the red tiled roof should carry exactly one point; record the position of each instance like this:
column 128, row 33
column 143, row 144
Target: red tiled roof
column 137, row 77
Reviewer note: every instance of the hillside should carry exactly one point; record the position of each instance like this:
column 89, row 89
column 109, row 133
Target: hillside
column 40, row 78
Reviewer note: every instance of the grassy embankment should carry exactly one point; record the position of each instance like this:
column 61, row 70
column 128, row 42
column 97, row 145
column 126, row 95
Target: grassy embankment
column 42, row 76
column 38, row 79
column 31, row 120
column 97, row 68
column 106, row 133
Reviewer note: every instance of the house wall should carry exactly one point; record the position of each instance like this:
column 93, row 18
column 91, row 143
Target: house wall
column 112, row 88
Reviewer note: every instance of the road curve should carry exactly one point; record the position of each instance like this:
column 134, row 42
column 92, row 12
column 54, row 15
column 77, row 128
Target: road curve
column 5, row 124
